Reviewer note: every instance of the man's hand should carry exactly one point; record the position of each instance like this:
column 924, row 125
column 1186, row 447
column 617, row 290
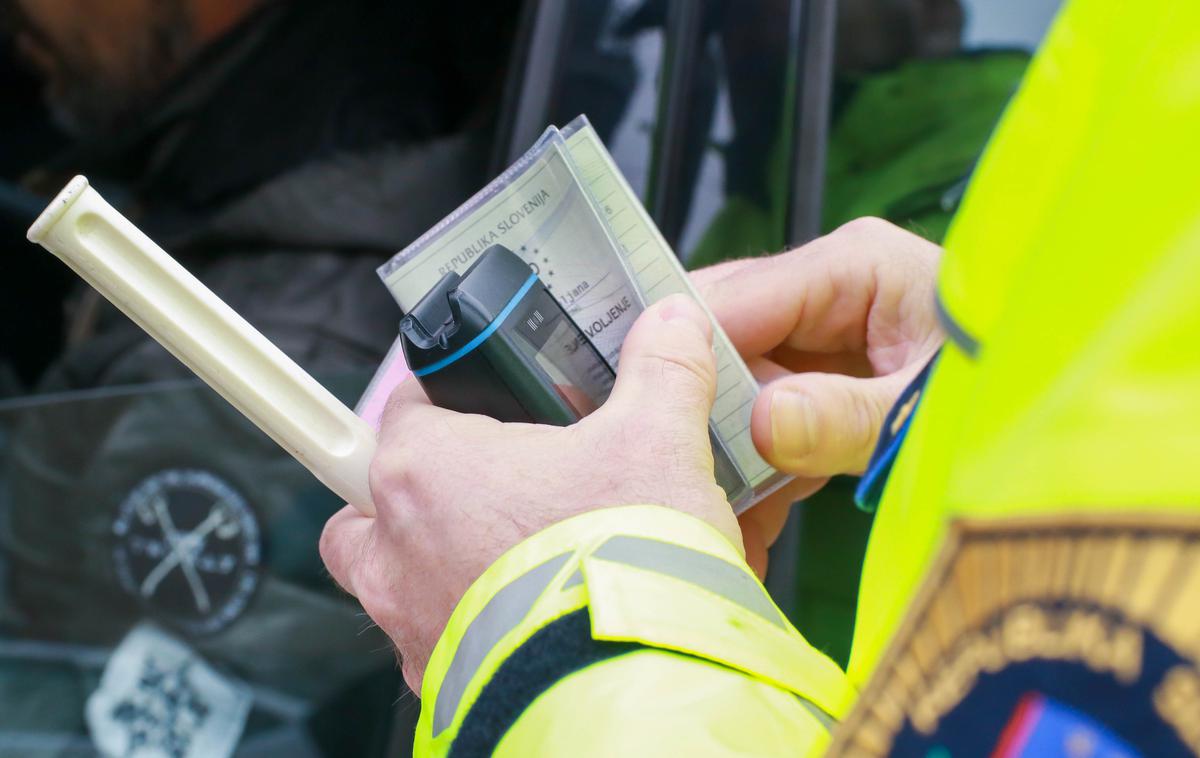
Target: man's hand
column 453, row 492
column 834, row 330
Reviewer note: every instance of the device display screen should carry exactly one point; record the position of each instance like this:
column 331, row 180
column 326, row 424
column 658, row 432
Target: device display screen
column 578, row 373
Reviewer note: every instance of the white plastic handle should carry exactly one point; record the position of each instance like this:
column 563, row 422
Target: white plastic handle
column 137, row 276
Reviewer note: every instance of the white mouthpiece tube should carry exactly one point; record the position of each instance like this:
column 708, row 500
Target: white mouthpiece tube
column 137, row 276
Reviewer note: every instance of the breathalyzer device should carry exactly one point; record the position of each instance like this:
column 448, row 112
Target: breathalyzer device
column 494, row 341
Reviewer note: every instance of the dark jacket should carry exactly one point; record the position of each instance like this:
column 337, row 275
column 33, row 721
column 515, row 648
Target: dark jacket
column 281, row 169
column 282, row 166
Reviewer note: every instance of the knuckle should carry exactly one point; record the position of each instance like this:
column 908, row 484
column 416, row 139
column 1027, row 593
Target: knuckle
column 400, row 416
column 366, row 586
column 693, row 369
column 327, row 544
column 412, row 670
column 388, row 475
column 865, row 227
column 867, row 419
column 375, row 593
column 379, row 475
column 394, row 415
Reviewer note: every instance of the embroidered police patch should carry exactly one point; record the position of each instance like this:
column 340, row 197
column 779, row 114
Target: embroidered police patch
column 1067, row 636
column 188, row 547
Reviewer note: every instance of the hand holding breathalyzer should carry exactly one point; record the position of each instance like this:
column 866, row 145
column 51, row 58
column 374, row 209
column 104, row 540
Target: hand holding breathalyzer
column 833, row 331
column 455, row 491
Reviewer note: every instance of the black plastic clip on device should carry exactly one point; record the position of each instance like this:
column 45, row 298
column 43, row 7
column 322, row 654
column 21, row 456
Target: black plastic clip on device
column 495, row 341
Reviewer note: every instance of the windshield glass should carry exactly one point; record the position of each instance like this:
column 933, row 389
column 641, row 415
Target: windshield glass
column 144, row 529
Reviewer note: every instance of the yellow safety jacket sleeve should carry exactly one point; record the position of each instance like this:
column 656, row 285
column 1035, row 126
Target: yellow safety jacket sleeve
column 636, row 630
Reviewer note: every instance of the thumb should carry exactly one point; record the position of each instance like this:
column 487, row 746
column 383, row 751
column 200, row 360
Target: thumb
column 823, row 424
column 667, row 371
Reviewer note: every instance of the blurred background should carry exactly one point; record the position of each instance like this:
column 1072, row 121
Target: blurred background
column 282, row 149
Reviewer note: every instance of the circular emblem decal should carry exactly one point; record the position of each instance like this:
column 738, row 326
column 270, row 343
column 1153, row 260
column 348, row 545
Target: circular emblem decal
column 188, row 548
column 1055, row 636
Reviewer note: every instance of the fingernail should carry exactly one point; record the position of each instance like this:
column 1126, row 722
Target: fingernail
column 793, row 425
column 683, row 309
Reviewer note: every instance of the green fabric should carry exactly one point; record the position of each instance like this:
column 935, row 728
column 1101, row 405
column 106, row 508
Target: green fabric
column 741, row 229
column 833, row 540
column 901, row 146
column 906, row 139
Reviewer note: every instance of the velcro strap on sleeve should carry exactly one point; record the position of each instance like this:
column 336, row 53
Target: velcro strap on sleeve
column 665, row 595
column 645, row 575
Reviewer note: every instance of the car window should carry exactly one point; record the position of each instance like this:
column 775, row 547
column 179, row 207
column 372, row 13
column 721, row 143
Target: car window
column 158, row 560
column 731, row 141
column 1015, row 23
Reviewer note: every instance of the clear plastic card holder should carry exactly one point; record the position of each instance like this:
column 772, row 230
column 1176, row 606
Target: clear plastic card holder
column 567, row 211
column 658, row 273
column 540, row 211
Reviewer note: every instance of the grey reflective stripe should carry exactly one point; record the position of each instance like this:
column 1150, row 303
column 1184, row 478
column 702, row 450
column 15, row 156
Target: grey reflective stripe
column 501, row 615
column 954, row 330
column 713, row 574
column 827, row 721
column 572, row 580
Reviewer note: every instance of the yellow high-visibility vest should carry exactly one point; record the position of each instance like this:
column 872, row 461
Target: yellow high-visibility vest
column 1071, row 294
